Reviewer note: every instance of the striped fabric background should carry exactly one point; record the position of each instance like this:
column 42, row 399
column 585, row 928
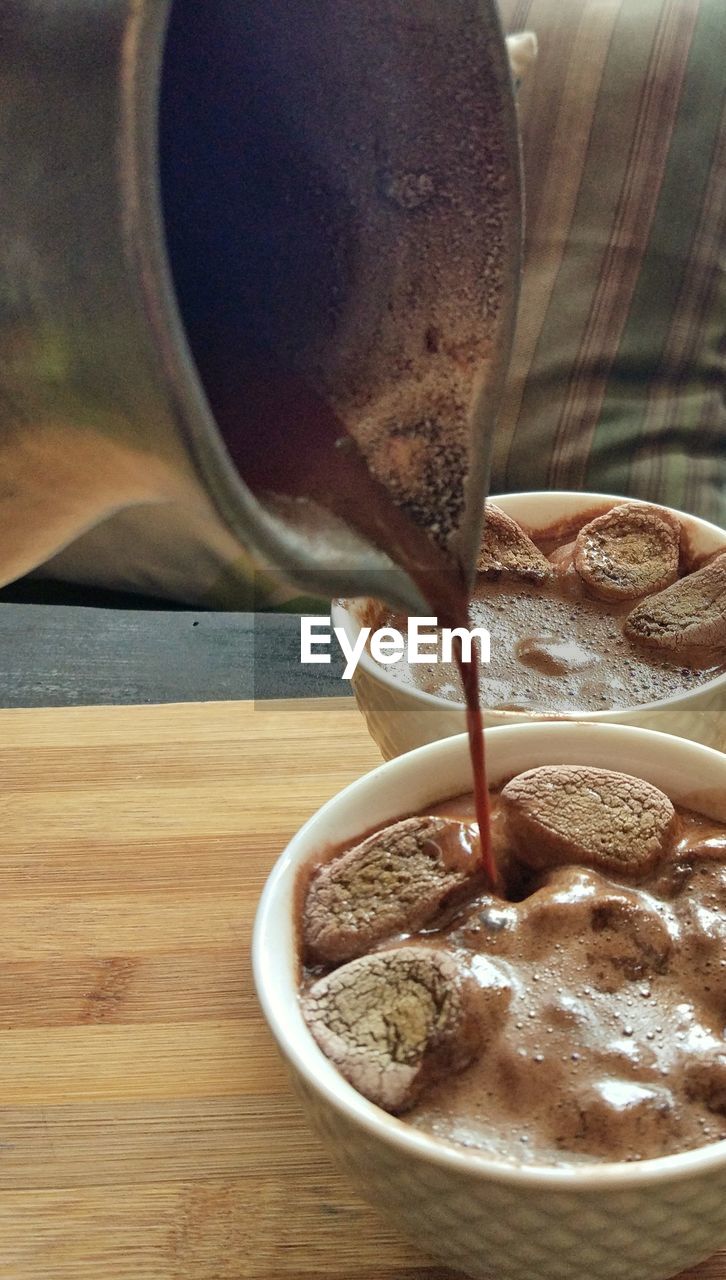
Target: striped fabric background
column 617, row 379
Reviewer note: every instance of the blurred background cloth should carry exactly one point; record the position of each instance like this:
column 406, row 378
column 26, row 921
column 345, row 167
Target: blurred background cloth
column 617, row 377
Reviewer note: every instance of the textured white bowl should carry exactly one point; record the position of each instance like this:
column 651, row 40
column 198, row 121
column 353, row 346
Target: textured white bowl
column 400, row 717
column 639, row 1221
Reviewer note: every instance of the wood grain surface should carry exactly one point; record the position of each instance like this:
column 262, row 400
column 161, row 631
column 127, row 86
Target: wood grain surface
column 147, row 1131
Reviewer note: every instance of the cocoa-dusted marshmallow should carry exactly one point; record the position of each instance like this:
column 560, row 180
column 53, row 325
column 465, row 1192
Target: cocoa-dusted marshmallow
column 506, row 551
column 628, row 552
column 396, row 1021
column 393, row 882
column 691, row 612
column 560, row 814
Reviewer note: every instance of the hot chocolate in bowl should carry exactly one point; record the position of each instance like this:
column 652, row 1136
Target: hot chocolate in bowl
column 401, row 716
column 482, row 1214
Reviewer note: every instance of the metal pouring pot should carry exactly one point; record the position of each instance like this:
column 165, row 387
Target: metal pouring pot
column 345, row 176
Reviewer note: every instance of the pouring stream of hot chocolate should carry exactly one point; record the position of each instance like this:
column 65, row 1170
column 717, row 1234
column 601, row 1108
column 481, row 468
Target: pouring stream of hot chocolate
column 319, row 460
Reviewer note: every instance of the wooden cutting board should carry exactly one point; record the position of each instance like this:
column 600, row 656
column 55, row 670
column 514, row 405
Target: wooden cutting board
column 147, row 1131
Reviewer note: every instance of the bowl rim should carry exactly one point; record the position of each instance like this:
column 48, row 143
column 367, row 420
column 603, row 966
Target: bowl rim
column 302, row 1052
column 340, row 613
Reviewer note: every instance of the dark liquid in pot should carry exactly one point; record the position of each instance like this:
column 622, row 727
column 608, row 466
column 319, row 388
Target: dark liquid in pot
column 318, row 460
column 261, row 249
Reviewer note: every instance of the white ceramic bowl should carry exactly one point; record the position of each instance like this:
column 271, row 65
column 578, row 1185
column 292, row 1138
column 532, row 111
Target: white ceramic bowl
column 400, row 717
column 638, row 1221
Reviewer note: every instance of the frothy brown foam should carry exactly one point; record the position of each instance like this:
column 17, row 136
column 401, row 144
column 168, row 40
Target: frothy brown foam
column 603, row 997
column 557, row 649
